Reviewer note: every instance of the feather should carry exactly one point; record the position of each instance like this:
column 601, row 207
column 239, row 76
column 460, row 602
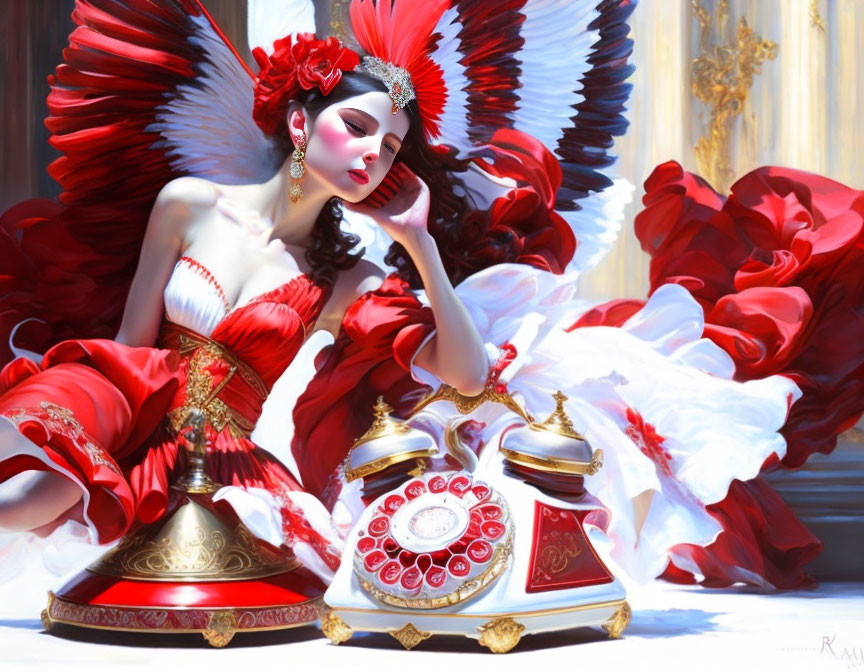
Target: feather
column 149, row 90
column 210, row 133
column 554, row 58
column 454, row 119
column 400, row 34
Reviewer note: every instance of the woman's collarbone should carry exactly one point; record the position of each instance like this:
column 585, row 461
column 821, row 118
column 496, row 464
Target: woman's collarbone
column 242, row 272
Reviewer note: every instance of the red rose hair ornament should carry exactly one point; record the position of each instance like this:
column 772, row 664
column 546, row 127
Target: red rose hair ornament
column 292, row 67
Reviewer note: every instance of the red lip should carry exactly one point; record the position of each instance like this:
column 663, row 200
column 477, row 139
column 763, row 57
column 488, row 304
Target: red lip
column 359, row 176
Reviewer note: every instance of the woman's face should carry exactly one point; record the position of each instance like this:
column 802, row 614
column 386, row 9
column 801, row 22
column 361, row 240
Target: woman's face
column 353, row 144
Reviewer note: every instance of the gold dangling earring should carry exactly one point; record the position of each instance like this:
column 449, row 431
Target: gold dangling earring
column 298, row 167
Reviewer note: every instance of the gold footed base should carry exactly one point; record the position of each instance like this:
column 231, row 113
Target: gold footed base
column 499, row 633
column 499, row 636
column 223, row 625
column 334, row 628
column 409, row 636
column 619, row 621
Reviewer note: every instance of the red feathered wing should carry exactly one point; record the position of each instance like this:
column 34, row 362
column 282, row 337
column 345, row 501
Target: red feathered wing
column 551, row 69
column 138, row 77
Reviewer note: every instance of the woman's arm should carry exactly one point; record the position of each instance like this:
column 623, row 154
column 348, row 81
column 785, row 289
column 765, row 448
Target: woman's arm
column 455, row 354
column 176, row 206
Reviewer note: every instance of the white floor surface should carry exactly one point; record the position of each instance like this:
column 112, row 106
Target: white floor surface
column 673, row 628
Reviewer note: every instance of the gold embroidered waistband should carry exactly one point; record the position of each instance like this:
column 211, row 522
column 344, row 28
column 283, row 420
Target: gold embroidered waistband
column 202, row 391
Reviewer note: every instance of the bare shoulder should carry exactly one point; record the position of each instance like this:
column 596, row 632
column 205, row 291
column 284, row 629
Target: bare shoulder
column 363, row 277
column 178, row 206
column 350, row 285
column 190, row 192
column 354, row 282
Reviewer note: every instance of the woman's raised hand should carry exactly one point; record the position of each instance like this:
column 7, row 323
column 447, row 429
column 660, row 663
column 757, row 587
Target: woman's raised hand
column 403, row 215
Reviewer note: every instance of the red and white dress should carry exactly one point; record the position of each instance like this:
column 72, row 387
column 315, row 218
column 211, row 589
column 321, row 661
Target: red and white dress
column 105, row 415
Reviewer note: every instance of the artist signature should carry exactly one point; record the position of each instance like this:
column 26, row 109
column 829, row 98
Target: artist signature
column 854, row 658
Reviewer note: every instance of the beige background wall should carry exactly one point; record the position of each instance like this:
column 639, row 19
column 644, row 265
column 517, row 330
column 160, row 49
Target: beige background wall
column 804, row 110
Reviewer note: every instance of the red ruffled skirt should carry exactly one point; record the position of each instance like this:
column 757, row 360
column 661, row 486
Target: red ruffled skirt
column 106, row 415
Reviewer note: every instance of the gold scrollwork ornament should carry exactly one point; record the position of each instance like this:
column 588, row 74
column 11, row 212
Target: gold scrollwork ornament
column 815, row 17
column 45, row 616
column 334, row 628
column 721, row 78
column 222, row 626
column 465, row 405
column 409, row 636
column 619, row 621
column 501, row 635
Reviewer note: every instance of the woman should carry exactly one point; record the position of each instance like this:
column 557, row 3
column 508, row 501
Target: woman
column 230, row 281
column 248, row 267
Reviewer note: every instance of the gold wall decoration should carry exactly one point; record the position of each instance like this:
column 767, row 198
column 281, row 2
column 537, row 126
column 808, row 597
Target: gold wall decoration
column 338, row 22
column 854, row 435
column 721, row 78
column 815, row 17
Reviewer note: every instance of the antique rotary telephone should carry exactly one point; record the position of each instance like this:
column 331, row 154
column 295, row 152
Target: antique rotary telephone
column 493, row 551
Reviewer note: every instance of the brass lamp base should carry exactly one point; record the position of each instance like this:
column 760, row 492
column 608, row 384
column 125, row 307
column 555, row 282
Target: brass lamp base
column 197, row 569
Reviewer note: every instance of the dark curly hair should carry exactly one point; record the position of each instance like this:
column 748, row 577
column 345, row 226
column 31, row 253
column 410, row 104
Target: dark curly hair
column 332, row 248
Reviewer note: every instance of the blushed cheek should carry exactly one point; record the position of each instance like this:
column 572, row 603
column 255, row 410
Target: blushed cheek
column 334, row 139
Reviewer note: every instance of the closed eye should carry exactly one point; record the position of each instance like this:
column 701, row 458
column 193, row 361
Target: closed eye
column 354, row 128
column 359, row 131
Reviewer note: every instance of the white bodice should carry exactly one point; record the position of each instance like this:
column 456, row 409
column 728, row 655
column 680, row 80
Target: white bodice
column 193, row 298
